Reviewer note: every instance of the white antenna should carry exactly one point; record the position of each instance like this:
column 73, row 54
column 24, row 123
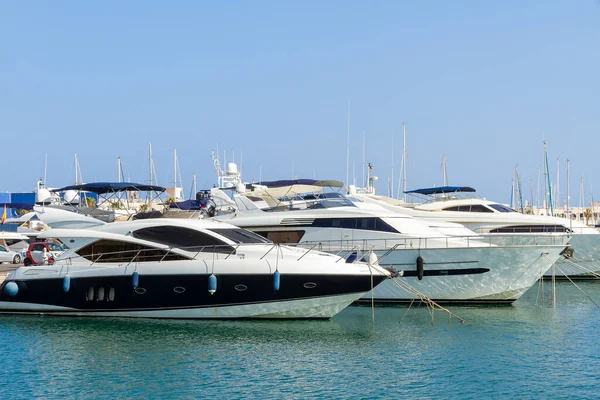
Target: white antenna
column 194, row 190
column 119, row 171
column 75, row 167
column 444, row 171
column 348, row 148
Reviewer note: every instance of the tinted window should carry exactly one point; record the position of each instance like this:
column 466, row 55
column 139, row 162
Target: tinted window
column 450, row 209
column 114, row 251
column 240, row 235
column 2, row 248
column 183, row 238
column 373, row 224
column 480, row 208
column 532, row 229
column 501, row 208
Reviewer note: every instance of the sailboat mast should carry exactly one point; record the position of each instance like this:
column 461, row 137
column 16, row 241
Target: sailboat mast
column 404, row 162
column 45, row 167
column 348, row 148
column 174, row 171
column 150, row 166
column 557, row 193
column 392, row 180
column 568, row 187
column 363, row 183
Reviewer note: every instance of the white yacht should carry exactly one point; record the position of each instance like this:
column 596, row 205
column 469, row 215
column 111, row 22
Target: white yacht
column 175, row 268
column 444, row 268
column 499, row 222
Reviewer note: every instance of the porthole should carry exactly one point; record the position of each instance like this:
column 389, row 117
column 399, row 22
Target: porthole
column 111, row 294
column 140, row 290
column 100, row 294
column 179, row 289
column 90, row 294
column 310, row 285
column 241, row 288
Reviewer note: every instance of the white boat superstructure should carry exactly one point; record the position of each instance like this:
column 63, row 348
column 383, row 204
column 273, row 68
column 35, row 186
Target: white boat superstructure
column 451, row 269
column 174, row 268
column 499, row 223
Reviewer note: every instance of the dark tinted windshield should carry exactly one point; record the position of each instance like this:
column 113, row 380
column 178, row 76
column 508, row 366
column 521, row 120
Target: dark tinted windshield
column 240, row 235
column 501, row 208
column 183, row 238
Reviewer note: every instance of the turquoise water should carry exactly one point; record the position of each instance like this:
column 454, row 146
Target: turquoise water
column 525, row 351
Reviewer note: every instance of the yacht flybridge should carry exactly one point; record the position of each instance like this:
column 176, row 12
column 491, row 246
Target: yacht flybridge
column 498, row 222
column 175, row 268
column 444, row 268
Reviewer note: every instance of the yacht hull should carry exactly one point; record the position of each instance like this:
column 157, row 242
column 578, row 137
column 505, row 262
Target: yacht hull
column 584, row 263
column 99, row 292
column 487, row 275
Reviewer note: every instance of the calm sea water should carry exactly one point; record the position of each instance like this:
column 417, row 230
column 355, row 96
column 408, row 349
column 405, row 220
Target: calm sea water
column 526, row 350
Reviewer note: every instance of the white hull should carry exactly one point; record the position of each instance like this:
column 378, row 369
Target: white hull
column 511, row 272
column 585, row 262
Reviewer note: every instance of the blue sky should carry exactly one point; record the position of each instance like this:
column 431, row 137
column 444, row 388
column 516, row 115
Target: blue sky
column 482, row 82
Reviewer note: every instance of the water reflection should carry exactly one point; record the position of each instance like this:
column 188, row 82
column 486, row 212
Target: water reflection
column 524, row 348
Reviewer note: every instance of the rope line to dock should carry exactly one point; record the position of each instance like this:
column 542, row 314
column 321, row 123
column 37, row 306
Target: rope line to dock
column 580, row 289
column 582, row 268
column 431, row 305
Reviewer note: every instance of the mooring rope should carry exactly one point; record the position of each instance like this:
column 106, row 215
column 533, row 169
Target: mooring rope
column 581, row 268
column 574, row 284
column 431, row 305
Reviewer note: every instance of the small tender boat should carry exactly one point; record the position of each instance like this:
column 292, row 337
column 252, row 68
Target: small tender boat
column 175, row 268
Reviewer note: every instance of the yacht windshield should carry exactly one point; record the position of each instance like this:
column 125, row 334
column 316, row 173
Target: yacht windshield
column 501, row 208
column 240, row 235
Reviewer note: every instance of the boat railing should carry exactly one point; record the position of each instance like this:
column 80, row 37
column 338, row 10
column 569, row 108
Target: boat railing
column 388, row 245
column 172, row 253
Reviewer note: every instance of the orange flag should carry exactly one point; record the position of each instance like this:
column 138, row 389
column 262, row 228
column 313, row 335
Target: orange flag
column 4, row 215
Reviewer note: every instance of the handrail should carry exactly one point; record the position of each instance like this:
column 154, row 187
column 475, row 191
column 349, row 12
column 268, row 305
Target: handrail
column 272, row 247
column 307, row 251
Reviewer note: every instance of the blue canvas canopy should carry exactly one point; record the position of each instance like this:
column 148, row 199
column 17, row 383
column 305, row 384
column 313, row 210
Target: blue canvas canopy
column 442, row 189
column 188, row 205
column 110, row 187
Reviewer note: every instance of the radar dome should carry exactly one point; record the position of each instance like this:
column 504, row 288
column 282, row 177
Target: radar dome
column 231, row 169
column 71, row 197
column 43, row 196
